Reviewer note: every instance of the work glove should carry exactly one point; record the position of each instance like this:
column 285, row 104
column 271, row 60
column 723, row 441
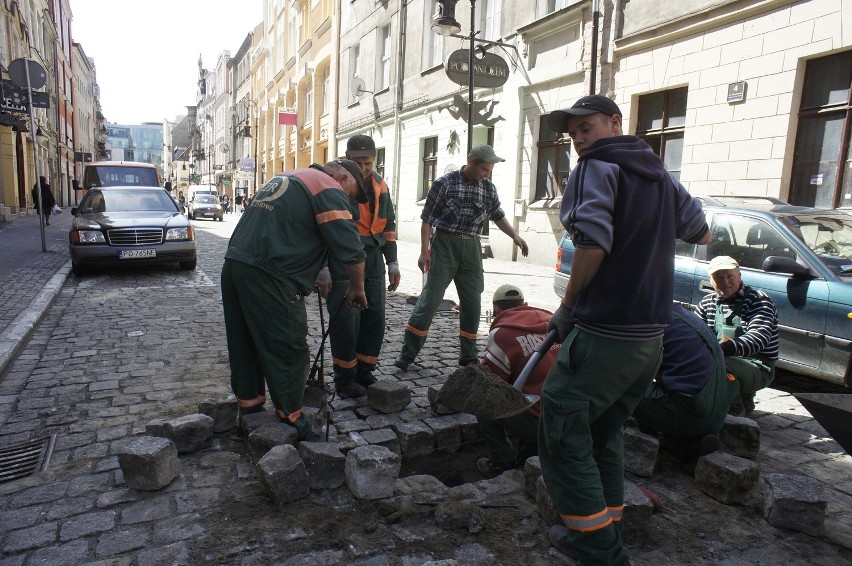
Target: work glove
column 562, row 321
column 393, row 275
column 323, row 282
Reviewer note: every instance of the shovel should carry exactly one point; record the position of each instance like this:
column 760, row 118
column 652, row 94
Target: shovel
column 531, row 364
column 479, row 392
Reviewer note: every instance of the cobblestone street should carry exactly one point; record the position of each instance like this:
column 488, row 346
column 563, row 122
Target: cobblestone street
column 118, row 349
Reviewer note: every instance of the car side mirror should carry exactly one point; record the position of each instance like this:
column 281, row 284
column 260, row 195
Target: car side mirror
column 76, row 185
column 780, row 264
column 74, row 211
column 168, row 186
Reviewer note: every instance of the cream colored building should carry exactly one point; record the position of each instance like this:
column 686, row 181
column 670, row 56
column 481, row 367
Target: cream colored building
column 720, row 88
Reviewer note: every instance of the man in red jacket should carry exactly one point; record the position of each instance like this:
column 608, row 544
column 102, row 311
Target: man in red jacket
column 516, row 332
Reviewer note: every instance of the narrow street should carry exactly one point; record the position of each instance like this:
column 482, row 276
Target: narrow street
column 119, row 349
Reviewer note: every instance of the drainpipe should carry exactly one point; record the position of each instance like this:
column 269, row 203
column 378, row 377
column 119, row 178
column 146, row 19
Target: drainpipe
column 400, row 71
column 594, row 70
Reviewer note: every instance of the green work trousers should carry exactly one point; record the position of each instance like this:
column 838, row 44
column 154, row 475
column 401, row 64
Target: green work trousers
column 683, row 419
column 502, row 452
column 592, row 389
column 458, row 260
column 752, row 374
column 266, row 327
column 356, row 336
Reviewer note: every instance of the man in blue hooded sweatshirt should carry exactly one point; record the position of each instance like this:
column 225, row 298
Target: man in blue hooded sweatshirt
column 623, row 211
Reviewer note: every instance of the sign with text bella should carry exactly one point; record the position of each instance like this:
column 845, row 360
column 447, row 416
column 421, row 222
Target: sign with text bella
column 286, row 117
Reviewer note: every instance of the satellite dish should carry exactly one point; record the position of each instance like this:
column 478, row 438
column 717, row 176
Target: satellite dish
column 357, row 87
column 224, row 148
column 19, row 68
column 450, row 168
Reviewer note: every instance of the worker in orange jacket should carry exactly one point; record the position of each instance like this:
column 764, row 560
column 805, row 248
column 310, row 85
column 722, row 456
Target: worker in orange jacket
column 356, row 336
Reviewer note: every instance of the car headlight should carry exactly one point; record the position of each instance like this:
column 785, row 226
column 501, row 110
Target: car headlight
column 87, row 237
column 183, row 233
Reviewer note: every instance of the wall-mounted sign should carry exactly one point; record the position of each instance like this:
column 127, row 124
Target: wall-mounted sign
column 489, row 71
column 737, row 91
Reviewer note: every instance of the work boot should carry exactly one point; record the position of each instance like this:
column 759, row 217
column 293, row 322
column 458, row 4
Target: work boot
column 366, row 379
column 350, row 388
column 558, row 535
column 737, row 408
column 402, row 362
column 748, row 403
column 303, row 427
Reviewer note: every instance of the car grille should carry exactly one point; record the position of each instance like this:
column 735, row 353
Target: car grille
column 135, row 236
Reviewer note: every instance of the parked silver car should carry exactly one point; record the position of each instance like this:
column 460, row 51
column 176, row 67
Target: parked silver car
column 129, row 226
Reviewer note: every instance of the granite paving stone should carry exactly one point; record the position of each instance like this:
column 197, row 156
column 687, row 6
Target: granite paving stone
column 87, row 524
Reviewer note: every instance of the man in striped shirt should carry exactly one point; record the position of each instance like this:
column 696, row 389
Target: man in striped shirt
column 745, row 322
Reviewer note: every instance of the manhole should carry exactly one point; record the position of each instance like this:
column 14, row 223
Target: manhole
column 21, row 460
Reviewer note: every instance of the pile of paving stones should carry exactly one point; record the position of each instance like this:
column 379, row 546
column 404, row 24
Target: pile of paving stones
column 367, row 441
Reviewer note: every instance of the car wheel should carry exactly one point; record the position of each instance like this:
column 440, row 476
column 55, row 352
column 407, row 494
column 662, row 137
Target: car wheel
column 191, row 217
column 189, row 265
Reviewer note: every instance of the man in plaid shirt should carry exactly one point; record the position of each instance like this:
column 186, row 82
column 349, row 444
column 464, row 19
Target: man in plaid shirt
column 745, row 322
column 457, row 206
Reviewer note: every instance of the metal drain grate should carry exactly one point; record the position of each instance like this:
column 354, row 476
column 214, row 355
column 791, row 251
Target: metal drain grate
column 21, row 460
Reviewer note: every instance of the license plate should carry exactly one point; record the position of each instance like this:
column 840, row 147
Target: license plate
column 135, row 254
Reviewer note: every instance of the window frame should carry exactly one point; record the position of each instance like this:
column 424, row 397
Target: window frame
column 429, row 164
column 555, row 144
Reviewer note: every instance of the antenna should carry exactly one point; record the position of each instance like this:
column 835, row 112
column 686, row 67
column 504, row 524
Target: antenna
column 358, row 87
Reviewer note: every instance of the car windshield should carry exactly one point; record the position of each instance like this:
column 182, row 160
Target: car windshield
column 206, row 199
column 828, row 235
column 127, row 200
column 116, row 176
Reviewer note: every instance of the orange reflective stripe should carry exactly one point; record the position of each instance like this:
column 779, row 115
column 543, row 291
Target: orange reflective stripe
column 616, row 513
column 348, row 364
column 731, row 377
column 389, row 236
column 368, row 359
column 416, row 331
column 468, row 335
column 324, row 217
column 248, row 403
column 292, row 417
column 588, row 523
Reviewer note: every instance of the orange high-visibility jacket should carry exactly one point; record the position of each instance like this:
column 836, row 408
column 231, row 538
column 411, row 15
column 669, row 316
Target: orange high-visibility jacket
column 376, row 220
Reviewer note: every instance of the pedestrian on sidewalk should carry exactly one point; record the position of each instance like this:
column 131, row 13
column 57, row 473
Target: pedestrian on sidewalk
column 356, row 335
column 457, row 206
column 275, row 253
column 515, row 333
column 44, row 207
column 624, row 212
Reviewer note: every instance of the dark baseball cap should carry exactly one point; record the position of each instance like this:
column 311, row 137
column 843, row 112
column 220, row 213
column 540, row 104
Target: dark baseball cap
column 593, row 104
column 361, row 146
column 358, row 175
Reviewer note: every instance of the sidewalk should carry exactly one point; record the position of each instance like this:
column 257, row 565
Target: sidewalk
column 30, row 279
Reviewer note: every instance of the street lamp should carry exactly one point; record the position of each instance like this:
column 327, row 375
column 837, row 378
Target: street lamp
column 40, row 136
column 253, row 105
column 444, row 23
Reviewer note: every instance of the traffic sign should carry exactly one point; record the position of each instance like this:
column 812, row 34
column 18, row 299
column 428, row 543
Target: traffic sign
column 18, row 73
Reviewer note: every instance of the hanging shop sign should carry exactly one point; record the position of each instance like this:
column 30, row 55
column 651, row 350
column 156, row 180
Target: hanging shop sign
column 489, row 70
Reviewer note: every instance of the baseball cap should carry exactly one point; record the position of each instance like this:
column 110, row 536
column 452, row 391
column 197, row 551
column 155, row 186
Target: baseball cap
column 484, row 153
column 592, row 104
column 356, row 172
column 721, row 262
column 361, row 146
column 508, row 293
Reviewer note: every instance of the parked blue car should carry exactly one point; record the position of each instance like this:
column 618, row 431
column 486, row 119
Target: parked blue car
column 799, row 256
